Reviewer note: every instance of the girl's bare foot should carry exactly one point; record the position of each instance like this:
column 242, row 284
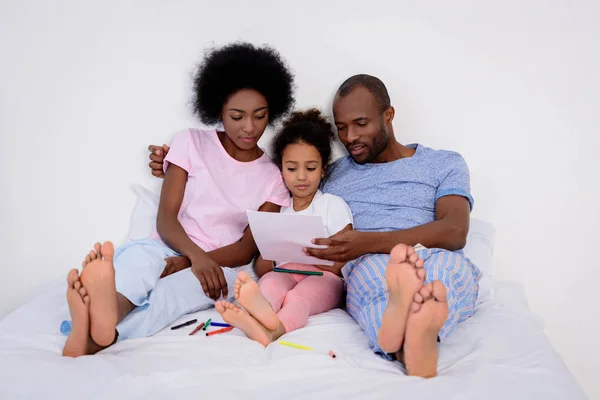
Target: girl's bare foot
column 404, row 276
column 78, row 341
column 98, row 278
column 248, row 294
column 239, row 318
column 428, row 314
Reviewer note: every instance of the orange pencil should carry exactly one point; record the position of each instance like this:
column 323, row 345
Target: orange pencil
column 196, row 329
column 219, row 331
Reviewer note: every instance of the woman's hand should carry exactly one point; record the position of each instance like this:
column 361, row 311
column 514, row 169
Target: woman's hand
column 210, row 275
column 157, row 158
column 175, row 264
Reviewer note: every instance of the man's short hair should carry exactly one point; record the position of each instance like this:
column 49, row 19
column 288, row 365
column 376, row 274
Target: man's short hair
column 372, row 84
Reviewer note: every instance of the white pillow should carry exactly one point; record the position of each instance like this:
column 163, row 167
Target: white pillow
column 479, row 248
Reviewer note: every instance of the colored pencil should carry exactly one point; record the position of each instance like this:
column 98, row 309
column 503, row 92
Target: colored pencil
column 294, row 345
column 207, row 324
column 219, row 324
column 222, row 330
column 196, row 329
column 190, row 322
column 296, row 271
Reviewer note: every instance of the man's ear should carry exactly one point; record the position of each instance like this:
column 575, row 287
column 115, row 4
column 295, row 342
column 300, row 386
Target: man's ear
column 388, row 115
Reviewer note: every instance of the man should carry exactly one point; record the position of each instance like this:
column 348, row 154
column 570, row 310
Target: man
column 406, row 300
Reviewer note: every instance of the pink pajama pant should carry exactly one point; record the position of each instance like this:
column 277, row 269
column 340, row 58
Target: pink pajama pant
column 295, row 297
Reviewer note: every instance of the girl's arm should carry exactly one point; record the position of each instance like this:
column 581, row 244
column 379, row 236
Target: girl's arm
column 243, row 251
column 262, row 266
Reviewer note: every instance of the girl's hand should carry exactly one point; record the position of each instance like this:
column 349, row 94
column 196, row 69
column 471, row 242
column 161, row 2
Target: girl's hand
column 210, row 275
column 175, row 264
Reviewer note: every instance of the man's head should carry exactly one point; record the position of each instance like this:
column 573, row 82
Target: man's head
column 363, row 116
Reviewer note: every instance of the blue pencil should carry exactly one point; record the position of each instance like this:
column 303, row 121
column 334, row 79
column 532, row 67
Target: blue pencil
column 219, row 324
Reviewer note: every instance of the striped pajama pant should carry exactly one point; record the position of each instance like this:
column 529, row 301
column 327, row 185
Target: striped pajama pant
column 367, row 293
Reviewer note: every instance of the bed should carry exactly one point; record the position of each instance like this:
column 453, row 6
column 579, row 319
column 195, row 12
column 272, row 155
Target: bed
column 499, row 353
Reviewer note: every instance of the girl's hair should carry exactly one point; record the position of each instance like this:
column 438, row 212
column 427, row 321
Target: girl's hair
column 308, row 127
column 226, row 70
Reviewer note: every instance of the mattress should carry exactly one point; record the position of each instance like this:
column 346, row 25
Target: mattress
column 500, row 353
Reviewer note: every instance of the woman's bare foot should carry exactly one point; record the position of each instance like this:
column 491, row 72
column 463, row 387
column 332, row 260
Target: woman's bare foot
column 98, row 278
column 77, row 341
column 239, row 318
column 404, row 276
column 248, row 294
column 428, row 314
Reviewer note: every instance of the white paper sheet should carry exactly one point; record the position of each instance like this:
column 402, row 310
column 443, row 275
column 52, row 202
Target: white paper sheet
column 281, row 237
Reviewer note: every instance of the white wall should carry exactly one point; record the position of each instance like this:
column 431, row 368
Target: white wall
column 86, row 86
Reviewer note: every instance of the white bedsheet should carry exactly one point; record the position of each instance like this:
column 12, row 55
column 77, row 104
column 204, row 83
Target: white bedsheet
column 500, row 353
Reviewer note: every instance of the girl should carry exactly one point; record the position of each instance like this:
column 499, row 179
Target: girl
column 282, row 302
column 211, row 178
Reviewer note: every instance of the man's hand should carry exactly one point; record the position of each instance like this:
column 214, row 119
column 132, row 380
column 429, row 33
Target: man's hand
column 342, row 247
column 175, row 264
column 210, row 275
column 157, row 157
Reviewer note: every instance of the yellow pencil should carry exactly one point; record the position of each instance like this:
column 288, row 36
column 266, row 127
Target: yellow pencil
column 294, row 345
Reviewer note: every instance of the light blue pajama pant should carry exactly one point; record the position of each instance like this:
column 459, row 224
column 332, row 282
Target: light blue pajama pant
column 138, row 266
column 367, row 293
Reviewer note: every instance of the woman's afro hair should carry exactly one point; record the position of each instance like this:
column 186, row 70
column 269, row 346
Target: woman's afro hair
column 238, row 66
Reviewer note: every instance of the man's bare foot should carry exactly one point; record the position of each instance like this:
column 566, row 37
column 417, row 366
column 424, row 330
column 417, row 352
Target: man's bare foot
column 428, row 314
column 404, row 276
column 98, row 278
column 248, row 294
column 239, row 318
column 77, row 341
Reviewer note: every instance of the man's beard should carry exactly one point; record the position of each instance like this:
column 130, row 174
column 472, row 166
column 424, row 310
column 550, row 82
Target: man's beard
column 379, row 144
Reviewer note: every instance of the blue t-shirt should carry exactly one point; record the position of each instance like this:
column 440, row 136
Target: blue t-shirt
column 400, row 194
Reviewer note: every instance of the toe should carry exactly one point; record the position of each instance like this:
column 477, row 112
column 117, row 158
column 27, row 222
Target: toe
column 398, row 253
column 219, row 306
column 86, row 300
column 413, row 258
column 425, row 291
column 418, row 298
column 92, row 255
column 421, row 274
column 77, row 285
column 97, row 248
column 243, row 277
column 72, row 276
column 414, row 307
column 438, row 291
column 83, row 291
column 107, row 250
column 419, row 263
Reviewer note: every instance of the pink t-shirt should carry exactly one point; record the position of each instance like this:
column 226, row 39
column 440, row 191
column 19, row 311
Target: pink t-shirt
column 220, row 189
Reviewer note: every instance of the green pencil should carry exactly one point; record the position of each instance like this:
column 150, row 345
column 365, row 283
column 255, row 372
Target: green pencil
column 296, row 271
column 206, row 324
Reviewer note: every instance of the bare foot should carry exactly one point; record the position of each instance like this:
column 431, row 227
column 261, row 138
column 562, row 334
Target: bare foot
column 248, row 294
column 239, row 318
column 404, row 276
column 78, row 341
column 98, row 278
column 428, row 314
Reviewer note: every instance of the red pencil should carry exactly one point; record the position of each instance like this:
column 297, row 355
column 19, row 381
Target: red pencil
column 196, row 329
column 219, row 331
